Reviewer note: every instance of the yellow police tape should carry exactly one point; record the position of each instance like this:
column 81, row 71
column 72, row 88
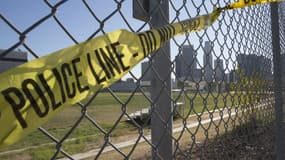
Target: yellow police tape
column 32, row 93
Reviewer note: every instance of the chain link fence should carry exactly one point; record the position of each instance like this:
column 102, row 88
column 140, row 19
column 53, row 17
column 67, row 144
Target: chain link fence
column 204, row 95
column 282, row 39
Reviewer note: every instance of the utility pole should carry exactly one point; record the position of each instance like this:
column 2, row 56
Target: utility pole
column 157, row 13
column 279, row 111
column 161, row 118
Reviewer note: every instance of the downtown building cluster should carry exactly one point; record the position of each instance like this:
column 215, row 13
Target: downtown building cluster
column 188, row 69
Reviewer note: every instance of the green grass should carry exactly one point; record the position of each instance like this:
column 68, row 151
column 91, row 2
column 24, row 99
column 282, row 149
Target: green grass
column 106, row 110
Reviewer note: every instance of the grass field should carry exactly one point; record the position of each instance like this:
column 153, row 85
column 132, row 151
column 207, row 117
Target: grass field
column 106, row 110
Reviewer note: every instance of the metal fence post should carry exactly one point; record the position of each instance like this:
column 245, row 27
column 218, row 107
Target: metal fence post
column 280, row 149
column 161, row 124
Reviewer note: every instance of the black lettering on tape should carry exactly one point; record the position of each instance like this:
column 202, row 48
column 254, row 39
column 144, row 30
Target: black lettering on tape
column 60, row 83
column 54, row 104
column 165, row 34
column 135, row 54
column 168, row 30
column 148, row 42
column 33, row 98
column 97, row 77
column 191, row 25
column 248, row 1
column 119, row 56
column 172, row 31
column 152, row 40
column 78, row 75
column 111, row 62
column 101, row 62
column 228, row 7
column 186, row 25
column 195, row 23
column 16, row 104
column 144, row 43
column 162, row 36
column 66, row 71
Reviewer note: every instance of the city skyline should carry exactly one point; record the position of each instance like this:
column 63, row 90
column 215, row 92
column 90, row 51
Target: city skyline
column 251, row 65
column 186, row 65
column 255, row 66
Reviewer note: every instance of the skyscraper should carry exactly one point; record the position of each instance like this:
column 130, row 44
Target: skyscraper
column 208, row 62
column 189, row 57
column 219, row 70
column 253, row 65
column 178, row 66
column 186, row 63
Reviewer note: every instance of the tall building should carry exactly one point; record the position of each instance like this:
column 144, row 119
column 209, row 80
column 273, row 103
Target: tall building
column 197, row 75
column 219, row 70
column 186, row 63
column 12, row 59
column 189, row 57
column 255, row 66
column 208, row 61
column 178, row 66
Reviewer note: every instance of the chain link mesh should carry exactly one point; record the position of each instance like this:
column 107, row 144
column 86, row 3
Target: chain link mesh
column 282, row 40
column 221, row 83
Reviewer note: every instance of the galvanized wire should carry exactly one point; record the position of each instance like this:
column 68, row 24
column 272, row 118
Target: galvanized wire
column 222, row 109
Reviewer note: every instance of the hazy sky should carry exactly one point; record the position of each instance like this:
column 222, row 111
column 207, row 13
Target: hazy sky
column 73, row 14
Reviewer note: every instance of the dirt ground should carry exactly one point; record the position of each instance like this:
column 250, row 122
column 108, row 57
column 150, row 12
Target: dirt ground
column 246, row 143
